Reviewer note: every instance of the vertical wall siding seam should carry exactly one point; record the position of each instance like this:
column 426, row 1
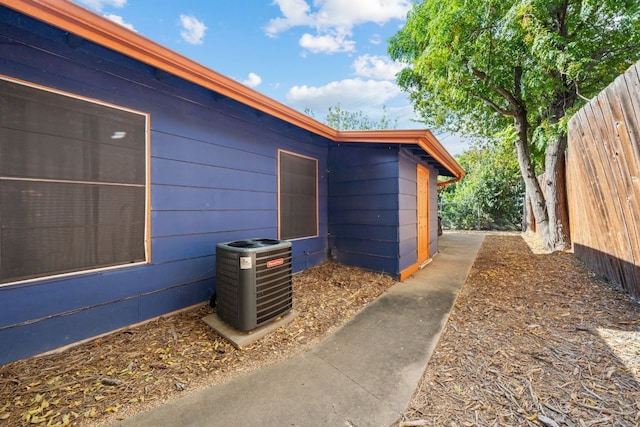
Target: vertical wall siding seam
column 148, row 203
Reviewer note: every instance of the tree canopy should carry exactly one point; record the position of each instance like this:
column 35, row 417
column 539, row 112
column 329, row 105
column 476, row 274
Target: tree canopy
column 516, row 70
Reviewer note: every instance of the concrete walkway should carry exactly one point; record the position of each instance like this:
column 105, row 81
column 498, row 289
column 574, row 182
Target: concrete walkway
column 362, row 375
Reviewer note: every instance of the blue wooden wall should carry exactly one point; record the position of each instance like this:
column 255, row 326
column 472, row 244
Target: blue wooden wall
column 364, row 206
column 373, row 207
column 213, row 179
column 408, row 210
column 408, row 227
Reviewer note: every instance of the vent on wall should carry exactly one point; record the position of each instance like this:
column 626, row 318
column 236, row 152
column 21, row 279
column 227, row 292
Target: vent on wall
column 253, row 281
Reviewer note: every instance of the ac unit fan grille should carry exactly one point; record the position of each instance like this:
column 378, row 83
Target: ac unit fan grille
column 273, row 285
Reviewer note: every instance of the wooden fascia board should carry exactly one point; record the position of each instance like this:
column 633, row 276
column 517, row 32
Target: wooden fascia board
column 423, row 138
column 77, row 20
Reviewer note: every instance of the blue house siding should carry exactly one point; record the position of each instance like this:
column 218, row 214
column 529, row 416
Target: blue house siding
column 213, row 178
column 373, row 207
column 433, row 211
column 408, row 226
column 408, row 210
column 363, row 206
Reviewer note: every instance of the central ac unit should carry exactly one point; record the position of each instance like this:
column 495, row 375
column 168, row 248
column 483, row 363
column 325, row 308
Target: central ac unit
column 253, row 281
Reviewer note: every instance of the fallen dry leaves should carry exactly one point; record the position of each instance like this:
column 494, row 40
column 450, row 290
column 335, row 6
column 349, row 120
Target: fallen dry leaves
column 125, row 372
column 533, row 340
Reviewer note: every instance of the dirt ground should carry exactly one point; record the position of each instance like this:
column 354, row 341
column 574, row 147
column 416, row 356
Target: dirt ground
column 534, row 339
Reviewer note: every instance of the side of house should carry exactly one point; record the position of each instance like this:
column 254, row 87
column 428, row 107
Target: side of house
column 123, row 164
column 373, row 215
column 206, row 171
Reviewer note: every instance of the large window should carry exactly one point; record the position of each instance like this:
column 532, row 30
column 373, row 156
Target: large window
column 297, row 196
column 72, row 183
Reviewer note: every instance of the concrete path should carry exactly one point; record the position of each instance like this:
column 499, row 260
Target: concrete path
column 362, row 375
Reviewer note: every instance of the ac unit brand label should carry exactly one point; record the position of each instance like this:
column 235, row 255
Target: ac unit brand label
column 275, row 262
column 245, row 262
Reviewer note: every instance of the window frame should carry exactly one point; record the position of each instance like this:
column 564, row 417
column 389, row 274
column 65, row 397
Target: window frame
column 147, row 185
column 316, row 231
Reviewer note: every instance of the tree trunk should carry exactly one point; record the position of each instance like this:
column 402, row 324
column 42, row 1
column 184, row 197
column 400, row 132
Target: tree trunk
column 532, row 186
column 554, row 171
column 528, row 220
column 557, row 237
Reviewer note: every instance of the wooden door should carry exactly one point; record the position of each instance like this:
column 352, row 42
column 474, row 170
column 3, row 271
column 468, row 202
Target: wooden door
column 423, row 214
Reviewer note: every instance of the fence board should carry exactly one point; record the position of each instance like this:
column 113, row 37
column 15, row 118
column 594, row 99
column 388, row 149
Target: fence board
column 627, row 161
column 603, row 182
column 595, row 191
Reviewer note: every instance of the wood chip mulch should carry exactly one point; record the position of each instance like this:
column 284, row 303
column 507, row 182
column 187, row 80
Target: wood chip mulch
column 126, row 372
column 533, row 340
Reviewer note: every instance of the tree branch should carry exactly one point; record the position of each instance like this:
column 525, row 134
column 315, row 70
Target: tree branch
column 513, row 102
column 495, row 106
column 578, row 92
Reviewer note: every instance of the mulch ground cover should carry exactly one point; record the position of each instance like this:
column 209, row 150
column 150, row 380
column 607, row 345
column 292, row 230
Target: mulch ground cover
column 533, row 340
column 135, row 369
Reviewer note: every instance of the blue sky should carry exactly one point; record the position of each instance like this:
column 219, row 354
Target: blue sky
column 311, row 54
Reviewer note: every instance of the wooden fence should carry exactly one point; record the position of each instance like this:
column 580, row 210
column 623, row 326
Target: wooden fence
column 603, row 182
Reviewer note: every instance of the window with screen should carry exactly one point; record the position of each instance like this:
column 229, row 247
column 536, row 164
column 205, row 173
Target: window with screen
column 72, row 183
column 298, row 196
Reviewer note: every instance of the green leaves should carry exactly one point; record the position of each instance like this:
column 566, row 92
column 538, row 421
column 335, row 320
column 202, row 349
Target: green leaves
column 515, row 71
column 564, row 48
column 490, row 196
column 341, row 119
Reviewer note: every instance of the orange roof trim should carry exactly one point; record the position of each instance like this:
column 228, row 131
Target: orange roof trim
column 77, row 20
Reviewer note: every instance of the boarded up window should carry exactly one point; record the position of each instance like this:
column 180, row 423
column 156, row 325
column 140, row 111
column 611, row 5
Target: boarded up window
column 72, row 184
column 298, row 196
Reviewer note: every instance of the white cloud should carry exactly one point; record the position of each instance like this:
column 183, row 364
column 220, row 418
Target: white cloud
column 347, row 14
column 193, row 30
column 119, row 20
column 326, row 43
column 336, row 14
column 357, row 95
column 376, row 67
column 253, row 80
column 333, row 20
column 351, row 94
column 295, row 13
column 100, row 4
